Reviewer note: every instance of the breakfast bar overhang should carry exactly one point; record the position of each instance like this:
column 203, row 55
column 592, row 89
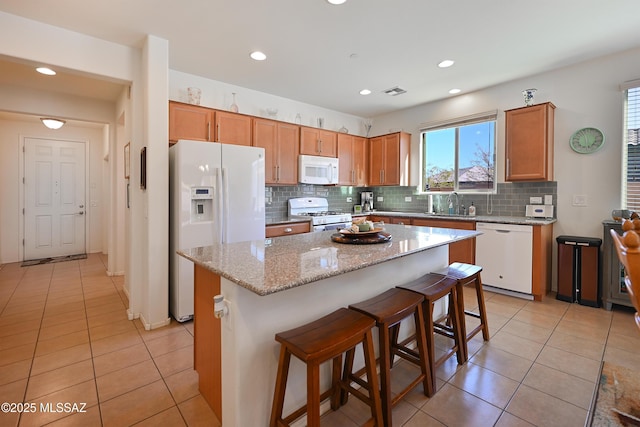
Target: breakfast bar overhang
column 277, row 284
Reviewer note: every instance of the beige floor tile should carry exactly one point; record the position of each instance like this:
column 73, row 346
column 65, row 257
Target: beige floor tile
column 119, row 359
column 15, row 371
column 136, row 405
column 107, row 309
column 503, row 363
column 90, row 417
column 548, row 306
column 82, row 395
column 570, row 363
column 20, row 327
column 62, row 329
column 107, row 318
column 60, row 343
column 528, row 331
column 115, row 342
column 572, row 344
column 540, row 409
column 508, row 420
column 569, row 388
column 176, row 361
column 581, row 330
column 172, row 327
column 57, row 319
column 170, row 342
column 421, row 419
column 337, row 419
column 12, row 308
column 198, row 413
column 628, row 359
column 501, row 309
column 127, row 379
column 515, row 344
column 63, row 308
column 58, row 379
column 18, row 319
column 12, row 393
column 60, row 358
column 114, row 328
column 183, row 385
column 496, row 322
column 624, row 342
column 18, row 339
column 168, row 418
column 454, row 407
column 485, row 384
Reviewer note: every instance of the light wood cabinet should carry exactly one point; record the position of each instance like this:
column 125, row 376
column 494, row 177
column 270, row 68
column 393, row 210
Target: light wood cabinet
column 462, row 251
column 389, row 159
column 188, row 121
column 318, row 142
column 529, row 143
column 352, row 154
column 287, row 229
column 233, row 128
column 281, row 144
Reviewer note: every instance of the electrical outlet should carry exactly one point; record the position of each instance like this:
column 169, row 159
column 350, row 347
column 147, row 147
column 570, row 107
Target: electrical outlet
column 579, row 200
column 535, row 200
column 349, row 199
column 548, row 199
column 380, row 199
column 407, row 199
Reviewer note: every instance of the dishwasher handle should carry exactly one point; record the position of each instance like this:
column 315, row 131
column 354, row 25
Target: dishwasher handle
column 503, row 231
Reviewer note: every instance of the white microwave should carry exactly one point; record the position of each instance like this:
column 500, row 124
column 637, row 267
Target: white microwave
column 317, row 170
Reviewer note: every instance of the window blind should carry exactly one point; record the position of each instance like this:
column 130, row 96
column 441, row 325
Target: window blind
column 631, row 137
column 460, row 121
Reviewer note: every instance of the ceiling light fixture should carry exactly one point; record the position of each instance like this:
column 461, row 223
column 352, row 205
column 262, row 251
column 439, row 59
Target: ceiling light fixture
column 365, row 92
column 258, row 56
column 446, row 63
column 454, row 91
column 336, row 2
column 45, row 70
column 53, row 123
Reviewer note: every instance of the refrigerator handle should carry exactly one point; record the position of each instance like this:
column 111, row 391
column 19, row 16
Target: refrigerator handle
column 219, row 201
column 225, row 204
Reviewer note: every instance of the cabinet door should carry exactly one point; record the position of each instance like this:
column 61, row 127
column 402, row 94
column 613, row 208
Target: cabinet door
column 529, row 143
column 376, row 159
column 189, row 122
column 328, row 143
column 318, row 142
column 346, row 171
column 391, row 170
column 359, row 162
column 232, row 128
column 265, row 135
column 288, row 150
column 463, row 251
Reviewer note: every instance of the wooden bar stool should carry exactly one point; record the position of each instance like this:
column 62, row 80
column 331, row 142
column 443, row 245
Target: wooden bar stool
column 434, row 287
column 469, row 274
column 388, row 310
column 317, row 342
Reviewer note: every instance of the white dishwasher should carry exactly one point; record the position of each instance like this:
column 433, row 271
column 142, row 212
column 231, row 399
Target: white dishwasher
column 504, row 251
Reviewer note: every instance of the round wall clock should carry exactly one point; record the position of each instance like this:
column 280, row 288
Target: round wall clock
column 586, row 140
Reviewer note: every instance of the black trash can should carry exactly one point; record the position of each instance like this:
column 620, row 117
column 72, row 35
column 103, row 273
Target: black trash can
column 579, row 270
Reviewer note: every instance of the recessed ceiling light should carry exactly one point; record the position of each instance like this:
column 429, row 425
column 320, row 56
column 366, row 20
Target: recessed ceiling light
column 446, row 63
column 454, row 91
column 365, row 92
column 258, row 56
column 336, row 1
column 45, row 70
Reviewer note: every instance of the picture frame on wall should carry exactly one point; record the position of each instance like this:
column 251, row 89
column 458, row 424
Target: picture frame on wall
column 127, row 160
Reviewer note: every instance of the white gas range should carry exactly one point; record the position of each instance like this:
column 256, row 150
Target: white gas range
column 316, row 209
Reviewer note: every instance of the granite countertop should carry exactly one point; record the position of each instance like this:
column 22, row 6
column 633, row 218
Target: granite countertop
column 273, row 265
column 480, row 218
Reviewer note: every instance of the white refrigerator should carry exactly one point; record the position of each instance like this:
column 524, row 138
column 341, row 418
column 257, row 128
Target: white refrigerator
column 216, row 195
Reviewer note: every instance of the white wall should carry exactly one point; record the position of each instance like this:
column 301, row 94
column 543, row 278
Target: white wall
column 12, row 134
column 585, row 95
column 216, row 94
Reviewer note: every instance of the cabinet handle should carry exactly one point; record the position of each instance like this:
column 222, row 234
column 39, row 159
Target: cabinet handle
column 208, row 131
column 321, row 146
column 288, row 230
column 508, row 168
column 353, row 175
column 278, row 173
column 275, row 173
column 380, row 176
column 218, row 132
column 383, row 177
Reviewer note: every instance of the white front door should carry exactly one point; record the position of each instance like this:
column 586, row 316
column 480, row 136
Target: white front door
column 54, row 198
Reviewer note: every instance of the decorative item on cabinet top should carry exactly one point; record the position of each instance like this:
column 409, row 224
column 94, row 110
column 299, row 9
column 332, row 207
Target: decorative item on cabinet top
column 193, row 94
column 528, row 96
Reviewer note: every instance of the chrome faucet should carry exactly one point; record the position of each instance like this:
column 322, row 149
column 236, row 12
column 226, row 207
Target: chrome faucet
column 456, row 209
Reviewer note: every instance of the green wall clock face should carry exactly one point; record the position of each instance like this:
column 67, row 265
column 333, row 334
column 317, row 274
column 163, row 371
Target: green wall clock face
column 586, row 140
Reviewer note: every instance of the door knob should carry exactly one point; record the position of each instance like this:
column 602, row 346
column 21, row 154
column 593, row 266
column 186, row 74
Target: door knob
column 81, row 213
column 81, row 206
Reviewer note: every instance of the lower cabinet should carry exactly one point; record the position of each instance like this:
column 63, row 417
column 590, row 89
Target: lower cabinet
column 463, row 251
column 287, row 229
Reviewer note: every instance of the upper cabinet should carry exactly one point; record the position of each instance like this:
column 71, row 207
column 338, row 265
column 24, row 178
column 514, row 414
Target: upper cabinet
column 188, row 121
column 318, row 142
column 281, row 143
column 529, row 143
column 389, row 159
column 233, row 128
column 352, row 155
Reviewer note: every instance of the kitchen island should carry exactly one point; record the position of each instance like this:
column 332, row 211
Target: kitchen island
column 276, row 284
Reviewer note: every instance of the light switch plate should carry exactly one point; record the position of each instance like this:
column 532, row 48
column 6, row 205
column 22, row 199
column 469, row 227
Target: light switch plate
column 579, row 200
column 349, row 199
column 548, row 199
column 407, row 199
column 380, row 199
column 535, row 200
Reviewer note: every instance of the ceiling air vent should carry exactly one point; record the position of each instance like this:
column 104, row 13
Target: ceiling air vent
column 395, row 91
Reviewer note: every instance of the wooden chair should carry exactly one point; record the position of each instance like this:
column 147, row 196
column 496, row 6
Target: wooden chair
column 628, row 248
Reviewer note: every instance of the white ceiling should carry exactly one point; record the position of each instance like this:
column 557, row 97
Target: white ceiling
column 310, row 43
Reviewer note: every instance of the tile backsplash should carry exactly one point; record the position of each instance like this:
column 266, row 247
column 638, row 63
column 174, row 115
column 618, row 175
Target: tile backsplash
column 510, row 199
